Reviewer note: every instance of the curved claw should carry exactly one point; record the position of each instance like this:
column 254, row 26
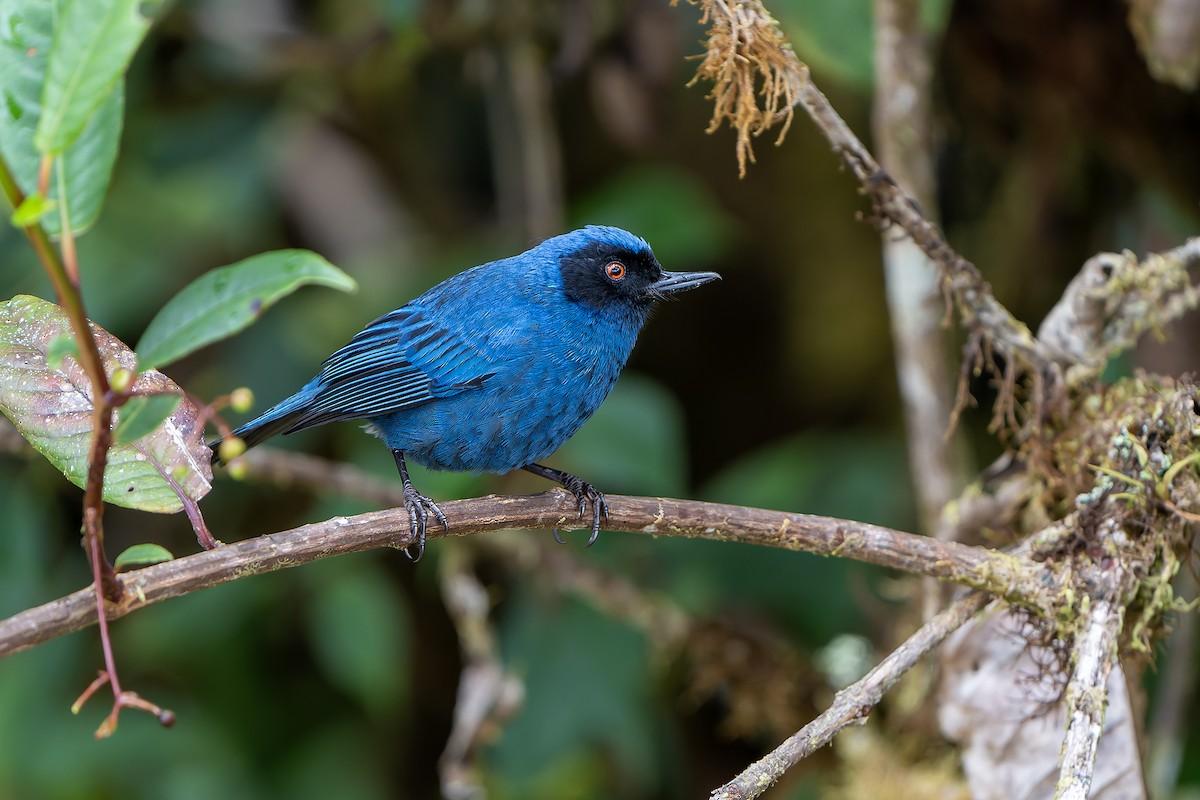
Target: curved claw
column 599, row 506
column 418, row 519
column 584, row 493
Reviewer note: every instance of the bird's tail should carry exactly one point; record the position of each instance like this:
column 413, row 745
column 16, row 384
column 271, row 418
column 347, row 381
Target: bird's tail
column 276, row 419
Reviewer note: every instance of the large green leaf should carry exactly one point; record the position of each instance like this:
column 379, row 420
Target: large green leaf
column 26, row 32
column 226, row 300
column 52, row 408
column 94, row 41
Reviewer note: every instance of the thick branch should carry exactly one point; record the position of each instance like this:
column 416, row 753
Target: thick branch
column 902, row 125
column 852, row 705
column 1114, row 300
column 971, row 566
column 1087, row 698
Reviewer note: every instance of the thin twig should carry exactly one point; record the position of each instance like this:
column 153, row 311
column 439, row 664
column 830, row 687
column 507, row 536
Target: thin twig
column 1017, row 580
column 745, row 39
column 852, row 705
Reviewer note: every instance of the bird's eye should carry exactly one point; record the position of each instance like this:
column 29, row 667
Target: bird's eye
column 615, row 270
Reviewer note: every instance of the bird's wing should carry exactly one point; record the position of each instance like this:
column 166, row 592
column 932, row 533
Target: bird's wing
column 401, row 360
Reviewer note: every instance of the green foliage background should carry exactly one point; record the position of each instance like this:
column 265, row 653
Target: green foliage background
column 372, row 132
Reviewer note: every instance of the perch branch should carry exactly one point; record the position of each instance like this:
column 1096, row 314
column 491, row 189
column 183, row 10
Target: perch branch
column 976, row 567
column 853, row 704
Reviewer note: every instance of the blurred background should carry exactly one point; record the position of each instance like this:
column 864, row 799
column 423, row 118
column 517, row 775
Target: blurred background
column 406, row 140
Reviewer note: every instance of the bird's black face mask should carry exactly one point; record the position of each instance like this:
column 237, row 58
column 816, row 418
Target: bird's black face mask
column 603, row 276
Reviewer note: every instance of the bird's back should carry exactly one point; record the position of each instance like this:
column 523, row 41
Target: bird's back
column 544, row 363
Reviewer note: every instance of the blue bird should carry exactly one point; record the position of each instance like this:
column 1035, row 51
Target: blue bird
column 494, row 368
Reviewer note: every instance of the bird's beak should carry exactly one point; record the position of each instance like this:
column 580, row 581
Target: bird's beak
column 675, row 282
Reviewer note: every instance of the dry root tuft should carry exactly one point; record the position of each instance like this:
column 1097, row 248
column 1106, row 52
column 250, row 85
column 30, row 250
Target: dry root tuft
column 748, row 57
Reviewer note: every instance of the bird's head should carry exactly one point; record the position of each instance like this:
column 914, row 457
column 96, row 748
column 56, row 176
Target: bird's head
column 604, row 267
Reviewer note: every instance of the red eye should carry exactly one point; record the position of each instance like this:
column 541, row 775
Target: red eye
column 615, row 270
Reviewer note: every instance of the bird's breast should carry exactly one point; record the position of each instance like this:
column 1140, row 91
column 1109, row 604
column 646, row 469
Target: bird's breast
column 537, row 398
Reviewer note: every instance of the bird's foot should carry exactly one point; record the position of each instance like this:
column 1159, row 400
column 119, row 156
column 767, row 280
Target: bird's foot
column 419, row 507
column 586, row 493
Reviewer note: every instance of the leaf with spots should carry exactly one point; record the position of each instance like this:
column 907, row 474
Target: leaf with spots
column 228, row 299
column 52, row 408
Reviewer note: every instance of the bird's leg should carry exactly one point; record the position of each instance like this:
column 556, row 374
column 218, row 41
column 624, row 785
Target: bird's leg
column 416, row 503
column 583, row 492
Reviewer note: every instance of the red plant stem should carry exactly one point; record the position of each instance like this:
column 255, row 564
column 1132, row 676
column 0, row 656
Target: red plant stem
column 110, row 666
column 65, row 278
column 93, row 504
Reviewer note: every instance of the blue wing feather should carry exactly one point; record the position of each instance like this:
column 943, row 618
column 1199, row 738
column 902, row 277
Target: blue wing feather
column 375, row 373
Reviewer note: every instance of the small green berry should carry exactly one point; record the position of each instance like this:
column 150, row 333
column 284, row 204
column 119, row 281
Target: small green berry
column 230, row 448
column 241, row 400
column 121, row 380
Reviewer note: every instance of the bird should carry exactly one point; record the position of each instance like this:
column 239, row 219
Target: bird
column 494, row 368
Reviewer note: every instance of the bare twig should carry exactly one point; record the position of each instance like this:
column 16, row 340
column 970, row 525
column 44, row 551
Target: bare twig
column 977, row 567
column 852, row 705
column 284, row 469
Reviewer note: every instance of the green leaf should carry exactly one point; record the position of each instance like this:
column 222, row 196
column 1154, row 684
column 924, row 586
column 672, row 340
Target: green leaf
column 226, row 300
column 94, row 40
column 142, row 415
column 60, row 347
column 52, row 409
column 142, row 555
column 32, row 209
column 26, row 31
